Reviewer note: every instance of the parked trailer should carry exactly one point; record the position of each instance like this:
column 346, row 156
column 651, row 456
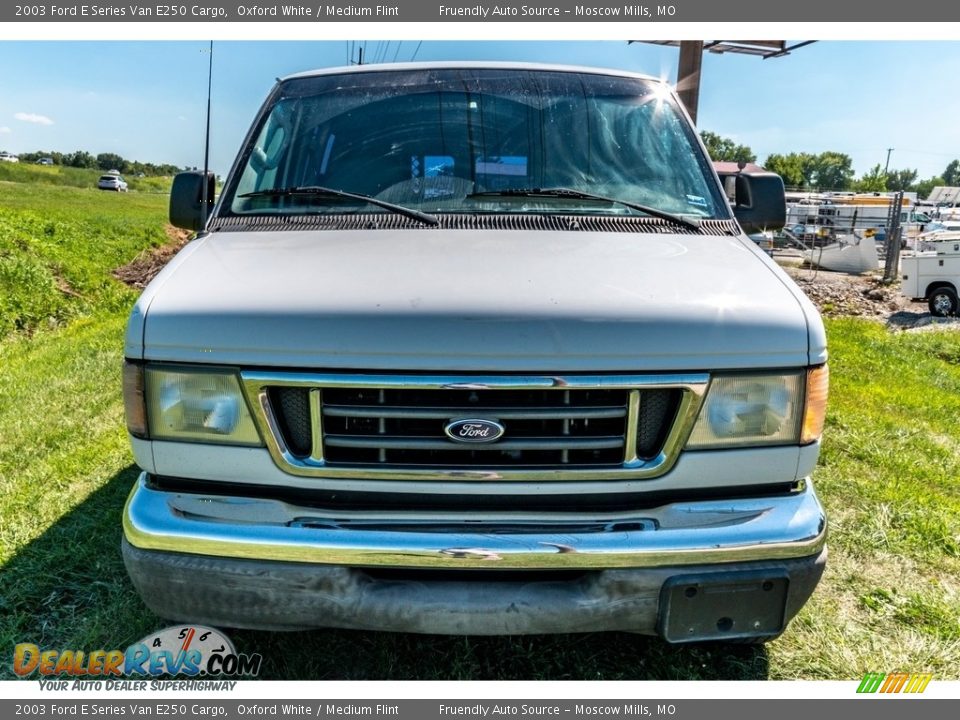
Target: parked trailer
column 825, row 217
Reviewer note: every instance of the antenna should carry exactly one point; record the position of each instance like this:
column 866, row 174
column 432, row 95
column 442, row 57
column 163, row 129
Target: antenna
column 206, row 148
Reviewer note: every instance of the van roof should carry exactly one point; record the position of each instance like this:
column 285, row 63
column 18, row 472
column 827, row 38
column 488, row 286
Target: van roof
column 471, row 65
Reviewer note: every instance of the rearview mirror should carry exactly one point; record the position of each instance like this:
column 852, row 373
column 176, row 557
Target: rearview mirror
column 187, row 209
column 759, row 201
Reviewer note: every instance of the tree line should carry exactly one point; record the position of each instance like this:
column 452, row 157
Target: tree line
column 103, row 161
column 830, row 170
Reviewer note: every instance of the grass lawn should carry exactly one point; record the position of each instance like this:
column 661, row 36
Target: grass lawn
column 58, row 245
column 889, row 477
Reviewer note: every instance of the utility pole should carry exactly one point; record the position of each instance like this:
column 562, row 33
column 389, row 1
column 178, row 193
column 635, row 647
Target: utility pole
column 887, row 166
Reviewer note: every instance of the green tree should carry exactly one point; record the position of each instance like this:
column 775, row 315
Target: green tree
column 80, row 159
column 833, row 171
column 111, row 161
column 796, row 169
column 875, row 180
column 951, row 176
column 901, row 179
column 725, row 149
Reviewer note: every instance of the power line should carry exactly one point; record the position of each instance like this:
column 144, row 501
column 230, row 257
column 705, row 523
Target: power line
column 930, row 152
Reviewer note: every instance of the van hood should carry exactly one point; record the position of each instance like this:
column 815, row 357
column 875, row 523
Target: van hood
column 502, row 301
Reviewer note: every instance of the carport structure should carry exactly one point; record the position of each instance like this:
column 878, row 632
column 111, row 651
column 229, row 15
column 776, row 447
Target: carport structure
column 691, row 58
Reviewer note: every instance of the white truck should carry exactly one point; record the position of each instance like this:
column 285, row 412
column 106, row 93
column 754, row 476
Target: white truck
column 934, row 276
column 476, row 349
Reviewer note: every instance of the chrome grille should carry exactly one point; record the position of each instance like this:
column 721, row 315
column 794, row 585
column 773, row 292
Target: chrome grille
column 406, row 427
column 393, row 427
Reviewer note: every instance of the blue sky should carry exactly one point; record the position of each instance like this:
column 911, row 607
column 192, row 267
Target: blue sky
column 146, row 100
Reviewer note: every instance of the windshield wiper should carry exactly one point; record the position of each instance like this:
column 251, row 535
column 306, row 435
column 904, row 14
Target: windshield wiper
column 560, row 192
column 423, row 217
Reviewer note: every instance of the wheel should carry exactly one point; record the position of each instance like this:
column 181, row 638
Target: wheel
column 943, row 302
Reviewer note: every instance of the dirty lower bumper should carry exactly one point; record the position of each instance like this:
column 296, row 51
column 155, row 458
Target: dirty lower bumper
column 686, row 571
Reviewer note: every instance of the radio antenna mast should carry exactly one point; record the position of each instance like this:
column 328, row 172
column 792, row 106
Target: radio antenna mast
column 206, row 148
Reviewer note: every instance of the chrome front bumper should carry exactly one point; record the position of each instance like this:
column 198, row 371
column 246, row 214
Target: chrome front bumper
column 684, row 533
column 734, row 569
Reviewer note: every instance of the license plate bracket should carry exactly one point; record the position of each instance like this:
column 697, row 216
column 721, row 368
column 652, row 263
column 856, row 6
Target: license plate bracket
column 723, row 605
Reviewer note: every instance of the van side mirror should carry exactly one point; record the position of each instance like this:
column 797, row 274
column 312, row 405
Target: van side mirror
column 759, row 201
column 186, row 200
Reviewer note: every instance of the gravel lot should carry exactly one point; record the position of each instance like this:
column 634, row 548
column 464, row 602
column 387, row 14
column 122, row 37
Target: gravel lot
column 866, row 296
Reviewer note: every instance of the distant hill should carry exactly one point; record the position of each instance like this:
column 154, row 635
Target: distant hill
column 76, row 177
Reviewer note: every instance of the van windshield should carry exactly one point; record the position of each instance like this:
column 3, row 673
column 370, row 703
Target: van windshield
column 474, row 141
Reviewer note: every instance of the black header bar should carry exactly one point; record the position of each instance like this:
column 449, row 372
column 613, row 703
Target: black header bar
column 672, row 11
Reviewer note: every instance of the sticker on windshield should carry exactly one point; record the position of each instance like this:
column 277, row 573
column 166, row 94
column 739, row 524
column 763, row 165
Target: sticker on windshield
column 502, row 165
column 501, row 172
column 696, row 200
column 437, row 166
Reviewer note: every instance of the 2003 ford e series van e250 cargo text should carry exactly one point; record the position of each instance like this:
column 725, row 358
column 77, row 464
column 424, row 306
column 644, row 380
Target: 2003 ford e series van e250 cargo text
column 479, row 349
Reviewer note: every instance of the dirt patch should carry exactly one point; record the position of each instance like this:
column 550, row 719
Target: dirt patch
column 65, row 287
column 143, row 268
column 843, row 295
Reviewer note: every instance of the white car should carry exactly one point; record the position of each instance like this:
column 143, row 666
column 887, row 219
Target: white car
column 7, row 157
column 112, row 182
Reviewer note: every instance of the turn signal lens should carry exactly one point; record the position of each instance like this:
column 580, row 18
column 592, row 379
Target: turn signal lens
column 815, row 407
column 133, row 403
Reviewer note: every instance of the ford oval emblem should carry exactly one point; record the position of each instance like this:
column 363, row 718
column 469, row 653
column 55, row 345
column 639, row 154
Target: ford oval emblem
column 474, row 430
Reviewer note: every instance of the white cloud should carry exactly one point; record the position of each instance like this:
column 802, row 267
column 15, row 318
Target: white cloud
column 33, row 118
column 5, row 129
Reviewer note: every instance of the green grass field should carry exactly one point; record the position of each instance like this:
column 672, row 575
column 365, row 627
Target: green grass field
column 889, row 477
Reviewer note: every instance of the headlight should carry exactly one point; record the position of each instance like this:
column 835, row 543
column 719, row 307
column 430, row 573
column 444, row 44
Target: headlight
column 750, row 410
column 204, row 406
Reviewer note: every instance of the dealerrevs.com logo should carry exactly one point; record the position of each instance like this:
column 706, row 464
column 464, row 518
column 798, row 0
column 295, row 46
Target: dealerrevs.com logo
column 185, row 650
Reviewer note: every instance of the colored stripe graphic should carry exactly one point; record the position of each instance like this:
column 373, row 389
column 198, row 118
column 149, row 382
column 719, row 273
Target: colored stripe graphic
column 871, row 682
column 894, row 682
column 918, row 682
